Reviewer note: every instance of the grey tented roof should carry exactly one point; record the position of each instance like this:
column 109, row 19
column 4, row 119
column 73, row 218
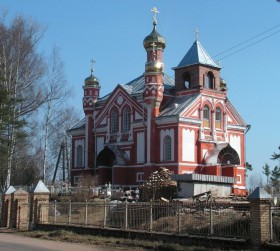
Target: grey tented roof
column 197, row 55
column 259, row 193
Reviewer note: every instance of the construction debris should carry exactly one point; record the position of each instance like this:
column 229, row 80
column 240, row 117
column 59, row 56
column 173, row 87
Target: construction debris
column 159, row 185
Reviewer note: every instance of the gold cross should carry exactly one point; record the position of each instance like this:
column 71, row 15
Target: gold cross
column 196, row 32
column 92, row 68
column 155, row 11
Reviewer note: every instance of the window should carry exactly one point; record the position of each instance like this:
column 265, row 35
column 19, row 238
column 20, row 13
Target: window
column 206, row 116
column 139, row 177
column 114, row 122
column 187, row 80
column 167, row 148
column 77, row 180
column 209, row 80
column 79, row 156
column 218, row 122
column 126, row 120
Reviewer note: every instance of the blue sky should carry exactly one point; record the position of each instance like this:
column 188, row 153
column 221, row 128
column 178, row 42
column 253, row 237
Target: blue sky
column 111, row 32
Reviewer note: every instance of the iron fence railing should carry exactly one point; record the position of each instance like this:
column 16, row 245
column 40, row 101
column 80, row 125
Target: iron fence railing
column 191, row 218
column 275, row 223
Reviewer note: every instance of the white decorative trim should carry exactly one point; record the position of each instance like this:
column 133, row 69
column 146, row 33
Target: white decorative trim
column 148, row 141
column 120, row 100
column 188, row 145
column 140, row 147
column 235, row 142
column 138, row 116
column 77, row 179
column 240, row 187
column 86, row 143
column 240, row 179
column 99, row 145
column 139, row 176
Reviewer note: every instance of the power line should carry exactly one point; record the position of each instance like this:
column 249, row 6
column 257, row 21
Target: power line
column 248, row 40
column 223, row 52
column 249, row 45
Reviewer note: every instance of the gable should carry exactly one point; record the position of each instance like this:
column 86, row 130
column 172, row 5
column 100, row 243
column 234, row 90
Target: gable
column 234, row 117
column 118, row 99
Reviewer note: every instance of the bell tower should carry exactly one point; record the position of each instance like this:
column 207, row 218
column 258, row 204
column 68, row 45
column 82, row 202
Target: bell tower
column 197, row 71
column 154, row 45
column 91, row 95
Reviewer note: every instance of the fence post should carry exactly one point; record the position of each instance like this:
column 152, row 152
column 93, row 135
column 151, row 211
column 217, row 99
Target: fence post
column 105, row 214
column 151, row 216
column 126, row 216
column 270, row 222
column 259, row 217
column 179, row 218
column 211, row 220
column 86, row 213
column 69, row 213
column 55, row 211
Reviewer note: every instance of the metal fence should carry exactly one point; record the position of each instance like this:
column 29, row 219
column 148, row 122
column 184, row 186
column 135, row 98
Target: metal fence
column 275, row 223
column 191, row 218
column 1, row 211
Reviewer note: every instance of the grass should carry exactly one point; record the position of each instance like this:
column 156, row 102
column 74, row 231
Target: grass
column 118, row 243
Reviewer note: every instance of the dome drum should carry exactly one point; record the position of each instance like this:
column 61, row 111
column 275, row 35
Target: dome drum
column 154, row 66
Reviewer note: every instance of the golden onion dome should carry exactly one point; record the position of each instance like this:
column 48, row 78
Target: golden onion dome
column 92, row 80
column 155, row 38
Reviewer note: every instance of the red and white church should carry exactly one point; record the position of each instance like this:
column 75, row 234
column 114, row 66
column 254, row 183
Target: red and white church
column 186, row 124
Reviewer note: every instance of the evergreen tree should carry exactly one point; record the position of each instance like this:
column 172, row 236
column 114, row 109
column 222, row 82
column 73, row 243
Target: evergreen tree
column 266, row 171
column 276, row 156
column 275, row 178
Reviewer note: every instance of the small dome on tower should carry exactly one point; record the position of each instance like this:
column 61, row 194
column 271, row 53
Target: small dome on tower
column 92, row 80
column 154, row 37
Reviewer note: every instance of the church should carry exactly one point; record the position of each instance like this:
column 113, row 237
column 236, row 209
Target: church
column 185, row 124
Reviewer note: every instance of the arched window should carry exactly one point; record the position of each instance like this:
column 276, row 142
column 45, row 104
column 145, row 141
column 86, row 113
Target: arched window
column 206, row 116
column 79, row 156
column 218, row 122
column 187, row 81
column 114, row 122
column 167, row 148
column 126, row 120
column 209, row 80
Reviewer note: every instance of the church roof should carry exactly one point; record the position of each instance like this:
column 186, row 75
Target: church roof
column 137, row 85
column 236, row 115
column 197, row 55
column 178, row 104
column 81, row 124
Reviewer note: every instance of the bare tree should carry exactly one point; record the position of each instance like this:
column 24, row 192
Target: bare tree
column 58, row 94
column 22, row 70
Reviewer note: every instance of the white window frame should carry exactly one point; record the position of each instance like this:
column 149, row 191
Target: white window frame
column 167, row 152
column 140, row 177
column 126, row 120
column 114, row 122
column 77, row 179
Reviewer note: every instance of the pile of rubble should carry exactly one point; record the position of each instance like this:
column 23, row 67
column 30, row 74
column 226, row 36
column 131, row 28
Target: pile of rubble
column 159, row 186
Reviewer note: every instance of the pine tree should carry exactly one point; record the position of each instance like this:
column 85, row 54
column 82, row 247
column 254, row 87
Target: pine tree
column 275, row 178
column 266, row 171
